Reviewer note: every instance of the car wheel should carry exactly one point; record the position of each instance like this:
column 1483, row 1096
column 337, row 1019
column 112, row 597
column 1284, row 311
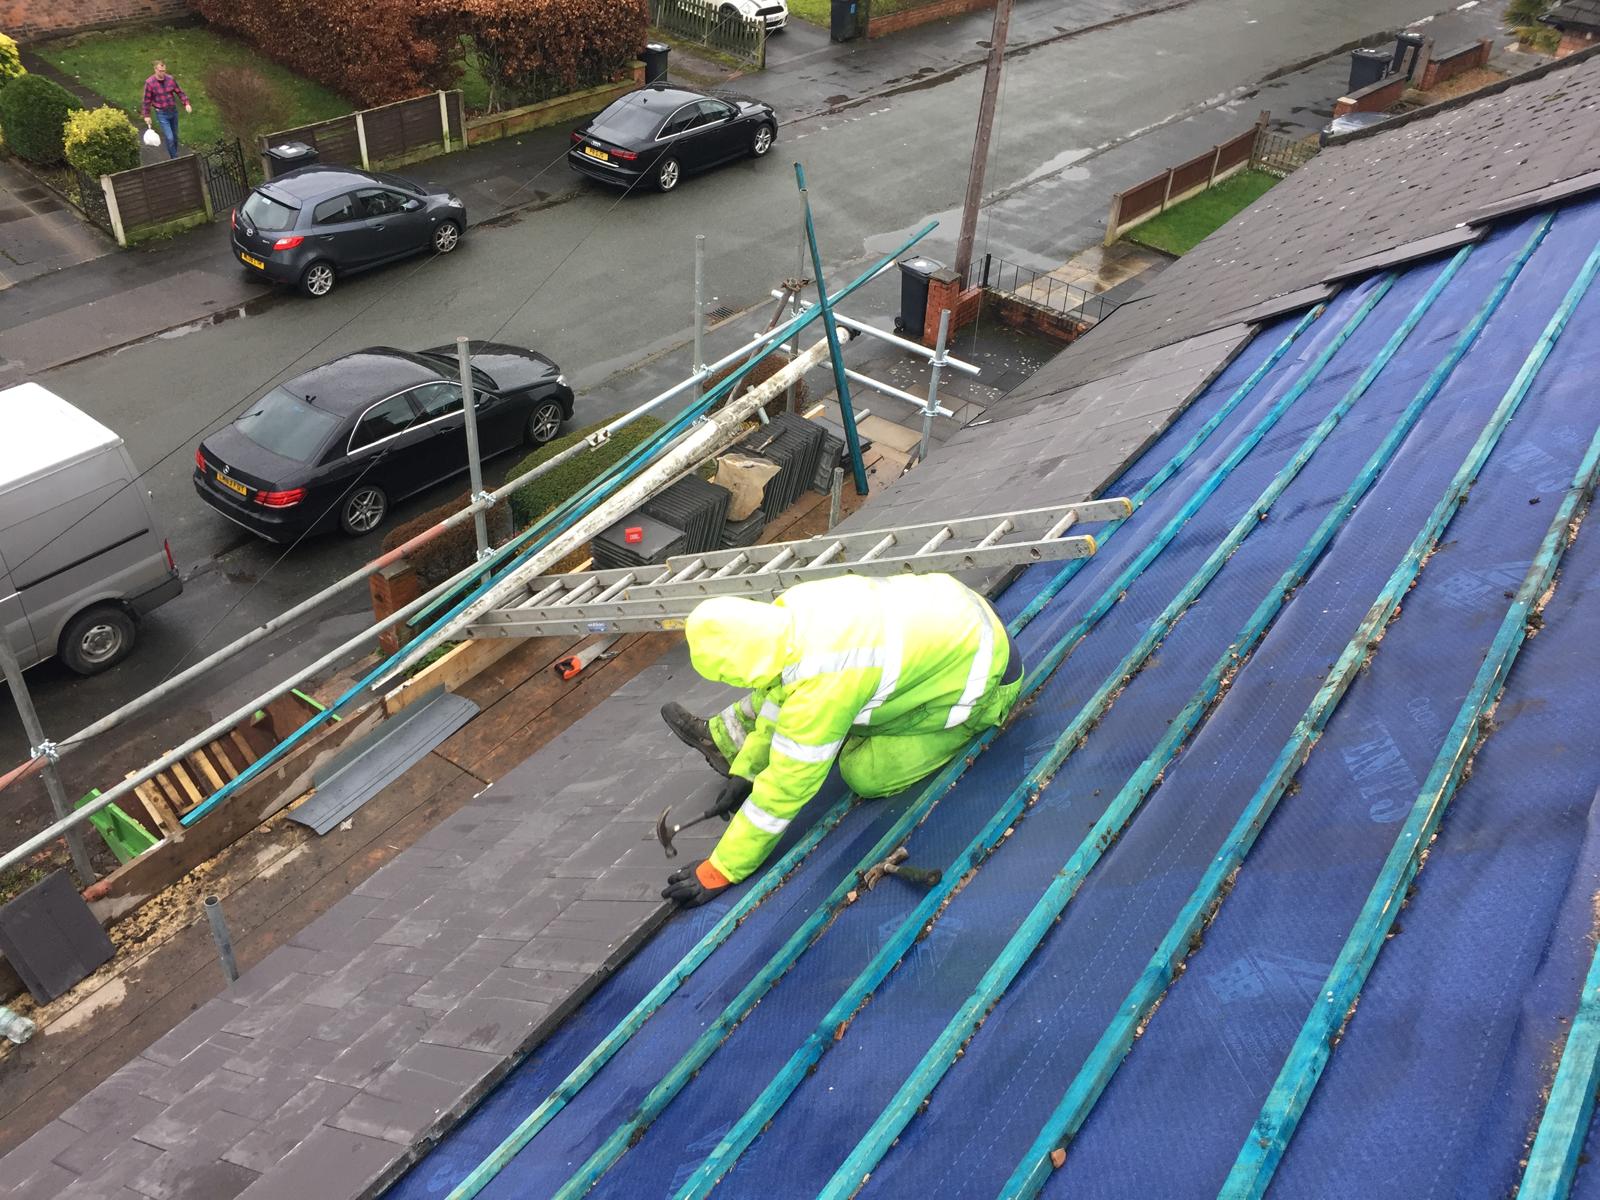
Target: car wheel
column 446, row 237
column 97, row 639
column 765, row 136
column 317, row 279
column 668, row 174
column 364, row 510
column 544, row 422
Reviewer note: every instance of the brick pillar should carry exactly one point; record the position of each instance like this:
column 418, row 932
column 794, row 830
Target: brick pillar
column 393, row 587
column 945, row 291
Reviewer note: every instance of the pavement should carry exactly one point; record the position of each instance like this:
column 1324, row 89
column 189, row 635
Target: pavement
column 602, row 281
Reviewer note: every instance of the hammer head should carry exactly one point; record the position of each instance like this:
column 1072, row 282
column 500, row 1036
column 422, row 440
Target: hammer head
column 665, row 832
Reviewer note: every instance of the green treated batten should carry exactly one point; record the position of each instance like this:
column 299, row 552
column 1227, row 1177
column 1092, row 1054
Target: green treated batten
column 903, row 1106
column 662, row 1094
column 847, row 416
column 1092, row 1078
column 775, row 876
column 1269, row 1137
column 1564, row 1126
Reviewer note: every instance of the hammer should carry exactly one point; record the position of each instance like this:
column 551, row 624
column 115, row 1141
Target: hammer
column 665, row 832
column 895, row 865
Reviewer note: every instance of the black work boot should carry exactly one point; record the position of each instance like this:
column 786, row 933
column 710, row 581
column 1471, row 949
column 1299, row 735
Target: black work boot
column 695, row 732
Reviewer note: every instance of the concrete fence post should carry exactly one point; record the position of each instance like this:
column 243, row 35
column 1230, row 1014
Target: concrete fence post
column 1114, row 219
column 361, row 142
column 113, row 211
column 444, row 120
column 1216, row 160
column 205, row 187
column 1166, row 194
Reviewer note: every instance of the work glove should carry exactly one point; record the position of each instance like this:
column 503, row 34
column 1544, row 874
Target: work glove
column 734, row 792
column 693, row 886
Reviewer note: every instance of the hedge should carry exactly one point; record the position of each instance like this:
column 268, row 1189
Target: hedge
column 33, row 116
column 456, row 548
column 540, row 496
column 764, row 370
column 532, row 50
column 10, row 60
column 101, row 141
column 371, row 51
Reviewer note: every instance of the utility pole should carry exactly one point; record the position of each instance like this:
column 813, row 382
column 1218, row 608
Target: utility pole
column 980, row 144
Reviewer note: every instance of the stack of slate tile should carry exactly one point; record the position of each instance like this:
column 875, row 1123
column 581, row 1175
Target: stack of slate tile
column 832, row 454
column 736, row 534
column 695, row 506
column 794, row 443
column 659, row 542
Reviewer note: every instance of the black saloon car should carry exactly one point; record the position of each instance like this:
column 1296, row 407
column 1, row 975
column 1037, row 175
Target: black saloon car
column 309, row 227
column 339, row 445
column 659, row 134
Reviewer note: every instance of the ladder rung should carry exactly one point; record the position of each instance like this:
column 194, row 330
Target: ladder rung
column 998, row 532
column 881, row 548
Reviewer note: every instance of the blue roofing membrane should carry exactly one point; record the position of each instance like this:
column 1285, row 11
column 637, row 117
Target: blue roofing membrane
column 1436, row 1085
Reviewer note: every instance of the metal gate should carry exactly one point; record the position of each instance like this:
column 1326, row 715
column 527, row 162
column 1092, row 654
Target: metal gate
column 227, row 180
column 714, row 23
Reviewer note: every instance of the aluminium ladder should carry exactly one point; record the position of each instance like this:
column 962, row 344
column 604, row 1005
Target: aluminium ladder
column 661, row 596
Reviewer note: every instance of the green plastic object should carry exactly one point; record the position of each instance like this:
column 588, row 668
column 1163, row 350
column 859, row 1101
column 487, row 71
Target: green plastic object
column 127, row 838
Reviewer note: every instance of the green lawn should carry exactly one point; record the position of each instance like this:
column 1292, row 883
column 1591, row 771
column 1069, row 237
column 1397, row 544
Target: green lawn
column 818, row 12
column 116, row 63
column 1183, row 226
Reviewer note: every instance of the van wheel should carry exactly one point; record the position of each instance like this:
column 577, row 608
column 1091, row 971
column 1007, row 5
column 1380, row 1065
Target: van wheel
column 364, row 510
column 97, row 639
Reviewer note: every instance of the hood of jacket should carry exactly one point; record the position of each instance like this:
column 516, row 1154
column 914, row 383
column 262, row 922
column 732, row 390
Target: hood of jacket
column 745, row 643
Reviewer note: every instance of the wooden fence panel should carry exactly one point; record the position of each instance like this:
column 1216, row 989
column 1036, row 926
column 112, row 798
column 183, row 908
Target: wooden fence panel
column 1146, row 197
column 334, row 141
column 159, row 193
column 1237, row 152
column 1196, row 173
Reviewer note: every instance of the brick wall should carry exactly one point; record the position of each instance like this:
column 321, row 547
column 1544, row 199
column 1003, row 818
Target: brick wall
column 1016, row 313
column 908, row 18
column 34, row 20
column 1377, row 97
column 1573, row 40
column 1457, row 62
column 945, row 291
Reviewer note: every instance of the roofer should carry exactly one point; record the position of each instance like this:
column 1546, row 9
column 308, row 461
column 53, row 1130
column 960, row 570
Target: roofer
column 891, row 676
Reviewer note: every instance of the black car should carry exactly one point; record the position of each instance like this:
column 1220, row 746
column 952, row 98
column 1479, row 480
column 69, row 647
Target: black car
column 339, row 445
column 659, row 134
column 309, row 227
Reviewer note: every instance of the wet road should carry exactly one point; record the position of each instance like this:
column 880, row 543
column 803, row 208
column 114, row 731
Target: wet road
column 602, row 282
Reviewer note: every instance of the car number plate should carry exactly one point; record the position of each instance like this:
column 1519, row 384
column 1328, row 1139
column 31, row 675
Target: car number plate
column 232, row 485
column 254, row 262
column 600, row 154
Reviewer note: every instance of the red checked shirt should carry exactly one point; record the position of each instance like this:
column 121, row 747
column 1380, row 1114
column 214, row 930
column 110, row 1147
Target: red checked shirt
column 163, row 93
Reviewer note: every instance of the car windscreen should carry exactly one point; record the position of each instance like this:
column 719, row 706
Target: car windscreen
column 631, row 120
column 267, row 215
column 405, row 185
column 286, row 425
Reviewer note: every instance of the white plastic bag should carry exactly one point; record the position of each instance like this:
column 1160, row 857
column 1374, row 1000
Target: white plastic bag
column 151, row 138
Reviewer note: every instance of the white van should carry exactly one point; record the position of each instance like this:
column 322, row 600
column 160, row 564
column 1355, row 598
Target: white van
column 82, row 557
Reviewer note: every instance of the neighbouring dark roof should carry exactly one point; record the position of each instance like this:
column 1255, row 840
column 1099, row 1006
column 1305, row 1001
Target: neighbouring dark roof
column 1357, row 198
column 1582, row 13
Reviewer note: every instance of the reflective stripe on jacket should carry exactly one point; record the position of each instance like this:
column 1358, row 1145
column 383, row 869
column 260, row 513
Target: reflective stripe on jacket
column 897, row 656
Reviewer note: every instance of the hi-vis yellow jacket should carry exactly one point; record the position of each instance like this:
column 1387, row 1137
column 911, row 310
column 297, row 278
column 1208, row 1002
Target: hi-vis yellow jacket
column 911, row 657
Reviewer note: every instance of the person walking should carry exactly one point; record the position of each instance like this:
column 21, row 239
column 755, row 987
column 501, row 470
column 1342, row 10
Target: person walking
column 162, row 95
column 893, row 677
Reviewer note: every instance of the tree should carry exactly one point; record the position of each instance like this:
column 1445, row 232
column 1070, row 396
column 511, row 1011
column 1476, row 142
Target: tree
column 247, row 102
column 1523, row 16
